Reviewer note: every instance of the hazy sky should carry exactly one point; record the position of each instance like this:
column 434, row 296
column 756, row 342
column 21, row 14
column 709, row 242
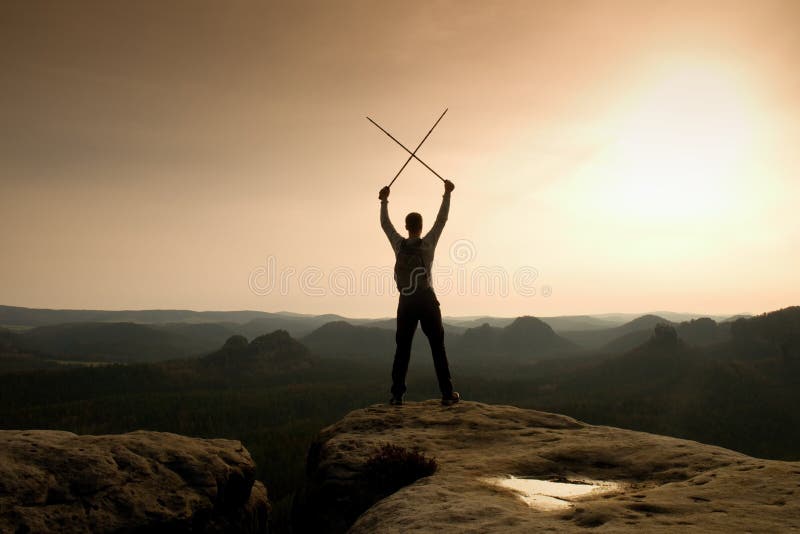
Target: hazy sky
column 607, row 156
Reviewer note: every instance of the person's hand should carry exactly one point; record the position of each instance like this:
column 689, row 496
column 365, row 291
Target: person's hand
column 448, row 186
column 383, row 194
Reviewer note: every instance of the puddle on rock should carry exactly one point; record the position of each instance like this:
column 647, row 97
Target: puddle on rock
column 548, row 495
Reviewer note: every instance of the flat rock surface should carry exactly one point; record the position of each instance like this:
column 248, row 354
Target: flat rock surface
column 53, row 481
column 665, row 484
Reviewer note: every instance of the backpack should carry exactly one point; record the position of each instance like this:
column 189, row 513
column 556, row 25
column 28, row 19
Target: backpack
column 410, row 271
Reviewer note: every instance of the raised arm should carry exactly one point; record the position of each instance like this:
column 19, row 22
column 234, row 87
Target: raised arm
column 441, row 218
column 388, row 228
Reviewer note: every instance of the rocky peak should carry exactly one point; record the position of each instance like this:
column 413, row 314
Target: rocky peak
column 54, row 481
column 528, row 322
column 665, row 335
column 651, row 482
column 277, row 351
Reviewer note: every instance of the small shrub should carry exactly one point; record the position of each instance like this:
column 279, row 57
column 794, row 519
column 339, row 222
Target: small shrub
column 393, row 467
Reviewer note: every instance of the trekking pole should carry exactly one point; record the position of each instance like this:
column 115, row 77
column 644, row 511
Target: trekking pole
column 416, row 149
column 413, row 155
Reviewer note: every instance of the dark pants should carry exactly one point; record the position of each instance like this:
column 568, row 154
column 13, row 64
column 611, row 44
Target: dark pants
column 421, row 306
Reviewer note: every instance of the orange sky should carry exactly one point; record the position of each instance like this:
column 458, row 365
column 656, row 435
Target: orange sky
column 638, row 155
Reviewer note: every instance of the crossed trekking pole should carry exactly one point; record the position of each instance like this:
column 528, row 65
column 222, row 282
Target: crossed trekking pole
column 414, row 153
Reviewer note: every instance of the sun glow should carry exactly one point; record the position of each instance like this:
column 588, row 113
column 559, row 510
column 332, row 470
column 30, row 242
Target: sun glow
column 681, row 152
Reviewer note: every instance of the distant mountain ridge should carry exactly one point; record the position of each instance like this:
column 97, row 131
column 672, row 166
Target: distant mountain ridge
column 31, row 317
column 596, row 339
column 330, row 335
column 119, row 342
column 14, row 315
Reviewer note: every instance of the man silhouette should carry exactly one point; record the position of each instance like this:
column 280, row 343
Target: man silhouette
column 417, row 301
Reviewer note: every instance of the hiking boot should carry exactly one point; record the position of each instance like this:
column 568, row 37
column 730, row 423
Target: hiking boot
column 396, row 401
column 451, row 399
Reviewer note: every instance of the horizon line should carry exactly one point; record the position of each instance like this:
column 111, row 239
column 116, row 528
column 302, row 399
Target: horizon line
column 463, row 317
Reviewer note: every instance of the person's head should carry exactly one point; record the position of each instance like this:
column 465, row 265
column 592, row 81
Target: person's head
column 414, row 224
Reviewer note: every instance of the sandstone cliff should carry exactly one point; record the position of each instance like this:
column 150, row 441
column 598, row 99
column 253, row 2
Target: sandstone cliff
column 53, row 481
column 657, row 483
